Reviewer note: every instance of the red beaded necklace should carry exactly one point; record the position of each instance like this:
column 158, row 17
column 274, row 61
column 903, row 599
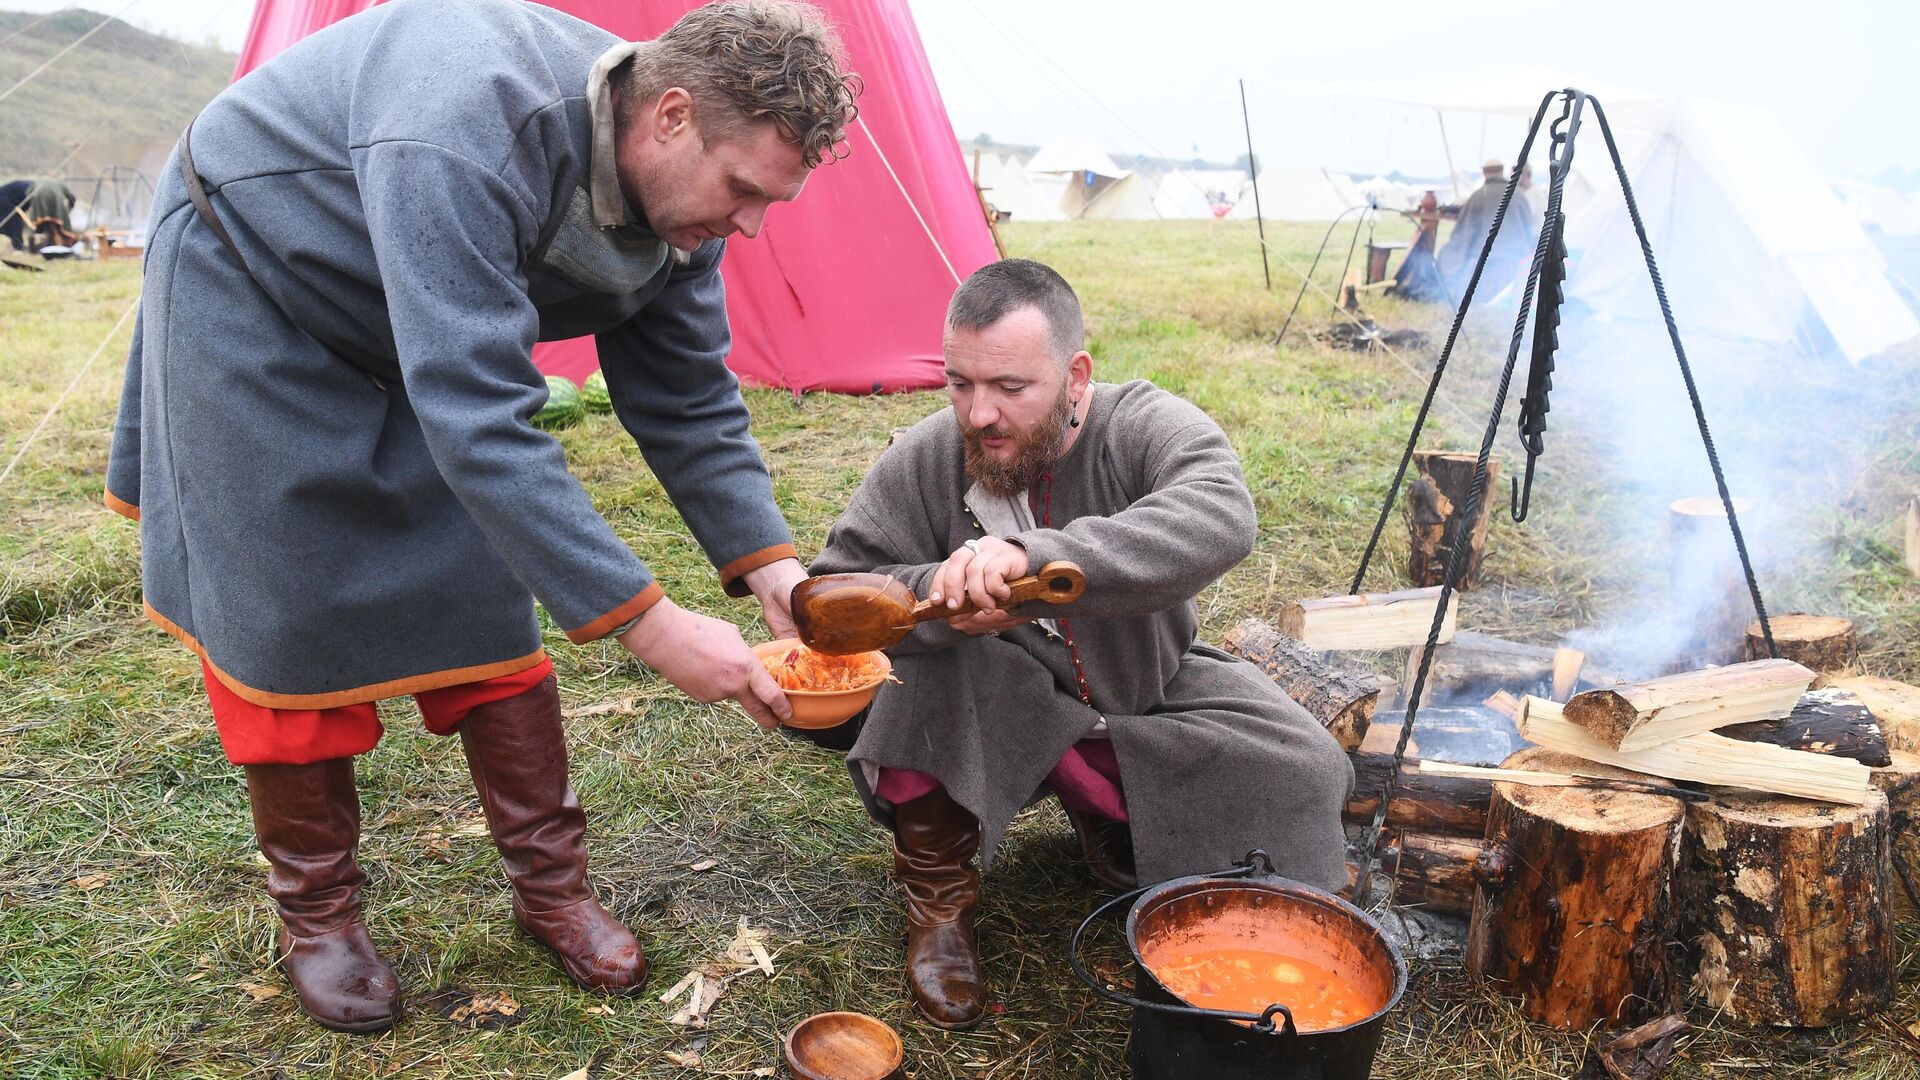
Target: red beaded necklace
column 1066, row 627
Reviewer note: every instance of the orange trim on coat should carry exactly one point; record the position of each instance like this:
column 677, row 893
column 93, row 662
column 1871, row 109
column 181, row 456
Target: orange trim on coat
column 334, row 699
column 627, row 612
column 732, row 573
column 122, row 507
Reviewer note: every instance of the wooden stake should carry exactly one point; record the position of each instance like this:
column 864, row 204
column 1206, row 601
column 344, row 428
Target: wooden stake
column 1574, row 907
column 1785, row 904
column 1634, row 716
column 1435, row 513
column 1818, row 642
column 1342, row 699
column 1392, row 620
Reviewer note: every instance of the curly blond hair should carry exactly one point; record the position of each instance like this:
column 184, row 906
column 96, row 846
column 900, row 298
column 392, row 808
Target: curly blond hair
column 747, row 61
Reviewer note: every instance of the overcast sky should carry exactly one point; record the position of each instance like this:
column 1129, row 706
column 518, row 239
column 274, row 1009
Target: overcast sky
column 1158, row 77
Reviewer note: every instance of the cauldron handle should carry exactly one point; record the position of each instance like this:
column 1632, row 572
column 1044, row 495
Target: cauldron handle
column 1262, row 1022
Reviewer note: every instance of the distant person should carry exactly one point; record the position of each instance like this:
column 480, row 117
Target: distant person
column 49, row 209
column 13, row 214
column 325, row 429
column 1419, row 275
column 1512, row 251
column 1169, row 757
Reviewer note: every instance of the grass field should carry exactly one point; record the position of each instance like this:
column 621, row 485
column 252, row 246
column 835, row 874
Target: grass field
column 135, row 937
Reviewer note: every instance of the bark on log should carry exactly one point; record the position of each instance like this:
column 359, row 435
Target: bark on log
column 1435, row 510
column 1895, row 706
column 1831, row 721
column 1785, row 908
column 1432, row 871
column 1820, row 643
column 1431, row 804
column 1574, row 906
column 1341, row 698
column 1704, row 576
column 1899, row 781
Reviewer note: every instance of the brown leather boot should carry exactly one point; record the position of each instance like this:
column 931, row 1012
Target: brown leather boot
column 518, row 758
column 934, row 841
column 307, row 818
column 1108, row 847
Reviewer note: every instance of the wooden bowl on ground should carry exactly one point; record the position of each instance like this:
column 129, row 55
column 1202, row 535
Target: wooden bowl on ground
column 819, row 709
column 843, row 1046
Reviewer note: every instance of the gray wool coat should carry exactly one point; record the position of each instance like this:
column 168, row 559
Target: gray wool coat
column 340, row 496
column 1214, row 759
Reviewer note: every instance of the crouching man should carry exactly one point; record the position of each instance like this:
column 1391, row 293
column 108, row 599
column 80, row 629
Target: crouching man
column 1170, row 757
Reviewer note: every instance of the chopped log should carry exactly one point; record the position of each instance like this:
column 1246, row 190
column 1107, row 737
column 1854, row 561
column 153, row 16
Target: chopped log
column 1818, row 642
column 1505, row 704
column 1830, row 721
column 1634, row 716
column 1708, row 758
column 1899, row 781
column 1784, row 904
column 1392, row 620
column 1436, row 514
column 1428, row 804
column 1342, row 699
column 1703, row 567
column 1432, row 871
column 1474, row 665
column 1895, row 705
column 1574, row 906
column 1566, row 672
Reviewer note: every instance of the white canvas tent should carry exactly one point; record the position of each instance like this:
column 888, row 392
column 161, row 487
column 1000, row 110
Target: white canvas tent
column 1089, row 183
column 1298, row 193
column 1197, row 193
column 1893, row 213
column 1011, row 190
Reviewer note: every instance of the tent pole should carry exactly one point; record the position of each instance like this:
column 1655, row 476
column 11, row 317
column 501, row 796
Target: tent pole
column 1453, row 175
column 1253, row 172
column 986, row 210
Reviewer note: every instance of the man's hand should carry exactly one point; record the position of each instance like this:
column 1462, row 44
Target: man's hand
column 979, row 573
column 987, row 622
column 707, row 658
column 773, row 584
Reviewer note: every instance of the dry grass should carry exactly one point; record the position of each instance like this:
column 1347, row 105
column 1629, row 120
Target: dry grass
column 110, row 772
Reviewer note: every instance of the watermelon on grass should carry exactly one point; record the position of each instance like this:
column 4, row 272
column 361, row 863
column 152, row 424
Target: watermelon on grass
column 593, row 393
column 563, row 408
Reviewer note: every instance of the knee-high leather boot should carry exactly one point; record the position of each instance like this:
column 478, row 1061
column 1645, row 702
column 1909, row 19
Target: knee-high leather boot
column 934, row 841
column 307, row 818
column 518, row 757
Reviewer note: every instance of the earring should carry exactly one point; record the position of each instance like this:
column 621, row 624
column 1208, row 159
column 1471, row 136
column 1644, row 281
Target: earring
column 1073, row 417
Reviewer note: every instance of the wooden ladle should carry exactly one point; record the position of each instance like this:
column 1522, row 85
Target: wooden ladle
column 855, row 613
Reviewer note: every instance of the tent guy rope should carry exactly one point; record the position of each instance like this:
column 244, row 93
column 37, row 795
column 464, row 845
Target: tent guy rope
column 132, row 306
column 917, row 216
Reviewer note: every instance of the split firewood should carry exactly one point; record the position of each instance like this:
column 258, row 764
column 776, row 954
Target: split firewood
column 1785, row 904
column 1895, row 705
column 1574, row 905
column 1817, row 642
column 1341, row 698
column 1830, row 721
column 1474, row 665
column 1634, row 716
column 1702, row 562
column 1505, row 704
column 1392, row 620
column 1708, row 758
column 1566, row 672
column 1640, row 1054
column 1576, row 778
column 1435, row 508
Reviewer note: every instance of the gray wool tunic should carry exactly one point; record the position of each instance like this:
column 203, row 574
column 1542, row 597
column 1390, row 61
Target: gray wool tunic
column 1215, row 760
column 328, row 449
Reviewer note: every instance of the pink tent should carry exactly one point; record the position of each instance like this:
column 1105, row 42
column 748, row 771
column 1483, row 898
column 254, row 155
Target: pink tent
column 845, row 289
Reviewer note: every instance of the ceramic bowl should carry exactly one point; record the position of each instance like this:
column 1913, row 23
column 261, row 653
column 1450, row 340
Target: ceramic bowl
column 819, row 709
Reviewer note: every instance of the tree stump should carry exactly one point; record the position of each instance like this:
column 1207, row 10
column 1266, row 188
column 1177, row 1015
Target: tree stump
column 1341, row 698
column 1574, row 906
column 1436, row 513
column 1785, row 908
column 1820, row 643
column 1899, row 781
column 1704, row 576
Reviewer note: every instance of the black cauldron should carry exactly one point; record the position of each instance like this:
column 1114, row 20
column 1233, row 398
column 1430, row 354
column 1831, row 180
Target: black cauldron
column 1173, row 1040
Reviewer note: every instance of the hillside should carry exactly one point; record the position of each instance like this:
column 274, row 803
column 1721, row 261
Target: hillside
column 122, row 85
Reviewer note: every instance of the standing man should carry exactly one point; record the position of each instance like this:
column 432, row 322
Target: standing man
column 1512, row 249
column 1170, row 757
column 325, row 437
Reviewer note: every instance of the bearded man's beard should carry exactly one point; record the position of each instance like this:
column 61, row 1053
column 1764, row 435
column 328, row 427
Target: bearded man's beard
column 1033, row 452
